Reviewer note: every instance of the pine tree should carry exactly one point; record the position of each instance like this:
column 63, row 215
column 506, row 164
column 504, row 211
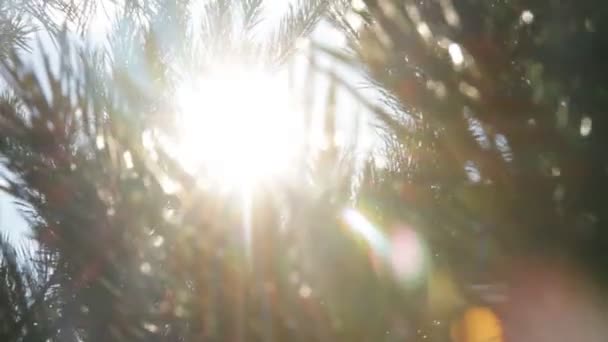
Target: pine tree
column 499, row 161
column 493, row 132
column 129, row 260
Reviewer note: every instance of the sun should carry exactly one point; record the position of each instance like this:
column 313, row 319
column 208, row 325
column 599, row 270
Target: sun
column 237, row 126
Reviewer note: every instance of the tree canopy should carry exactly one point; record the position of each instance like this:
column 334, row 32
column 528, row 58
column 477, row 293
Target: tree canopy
column 477, row 212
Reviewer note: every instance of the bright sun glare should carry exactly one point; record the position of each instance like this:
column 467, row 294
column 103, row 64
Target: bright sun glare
column 237, row 126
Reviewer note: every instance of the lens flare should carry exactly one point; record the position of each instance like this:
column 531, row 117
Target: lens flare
column 360, row 225
column 407, row 254
column 403, row 252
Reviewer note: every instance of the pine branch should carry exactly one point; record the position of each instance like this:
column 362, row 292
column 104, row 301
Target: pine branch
column 24, row 293
column 299, row 21
column 14, row 27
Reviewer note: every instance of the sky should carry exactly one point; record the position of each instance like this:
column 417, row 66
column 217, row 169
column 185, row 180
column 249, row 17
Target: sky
column 12, row 224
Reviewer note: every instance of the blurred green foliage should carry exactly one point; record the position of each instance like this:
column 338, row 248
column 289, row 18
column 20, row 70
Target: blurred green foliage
column 491, row 155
